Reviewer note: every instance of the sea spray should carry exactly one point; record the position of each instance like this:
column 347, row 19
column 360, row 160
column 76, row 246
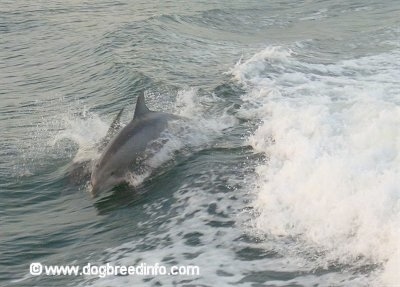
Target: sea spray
column 331, row 181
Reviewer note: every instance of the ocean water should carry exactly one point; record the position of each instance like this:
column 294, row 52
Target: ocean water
column 286, row 173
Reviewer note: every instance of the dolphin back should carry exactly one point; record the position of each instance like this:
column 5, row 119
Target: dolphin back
column 112, row 131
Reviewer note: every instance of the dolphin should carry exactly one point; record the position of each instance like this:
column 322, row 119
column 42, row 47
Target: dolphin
column 122, row 152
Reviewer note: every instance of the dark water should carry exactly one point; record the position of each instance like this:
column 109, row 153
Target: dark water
column 288, row 174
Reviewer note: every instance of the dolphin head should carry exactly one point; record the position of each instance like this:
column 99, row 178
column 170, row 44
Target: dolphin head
column 104, row 178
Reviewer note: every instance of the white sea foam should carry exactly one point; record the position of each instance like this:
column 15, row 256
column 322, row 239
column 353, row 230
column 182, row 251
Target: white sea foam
column 85, row 131
column 332, row 178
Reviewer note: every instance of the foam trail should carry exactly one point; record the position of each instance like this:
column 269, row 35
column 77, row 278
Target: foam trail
column 331, row 134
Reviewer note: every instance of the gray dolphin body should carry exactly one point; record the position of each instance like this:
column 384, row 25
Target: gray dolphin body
column 120, row 155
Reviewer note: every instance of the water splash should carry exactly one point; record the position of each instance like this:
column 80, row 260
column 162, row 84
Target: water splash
column 331, row 182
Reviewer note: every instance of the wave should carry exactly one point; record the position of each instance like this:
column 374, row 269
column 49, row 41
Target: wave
column 330, row 133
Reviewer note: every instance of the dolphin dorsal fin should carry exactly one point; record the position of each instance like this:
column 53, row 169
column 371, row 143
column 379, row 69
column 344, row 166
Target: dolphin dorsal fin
column 141, row 108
